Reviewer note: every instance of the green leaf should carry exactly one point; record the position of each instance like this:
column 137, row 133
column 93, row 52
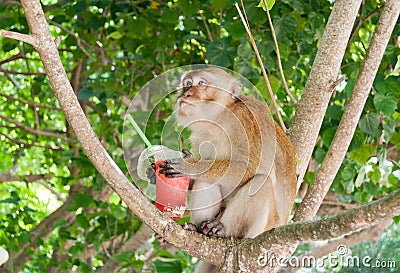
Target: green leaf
column 284, row 25
column 85, row 93
column 82, row 221
column 270, row 4
column 116, row 35
column 334, row 112
column 328, row 135
column 371, row 188
column 188, row 7
column 82, row 199
column 80, row 6
column 362, row 154
column 319, row 154
column 375, row 175
column 395, row 139
column 348, row 173
column 118, row 211
column 168, row 267
column 386, row 103
column 221, row 52
column 170, row 16
column 124, row 257
column 396, row 69
column 218, row 4
column 369, row 123
column 60, row 223
column 244, row 61
column 362, row 197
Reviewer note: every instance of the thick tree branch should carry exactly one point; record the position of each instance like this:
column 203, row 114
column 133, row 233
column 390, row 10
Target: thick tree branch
column 280, row 241
column 311, row 108
column 335, row 226
column 348, row 124
column 192, row 243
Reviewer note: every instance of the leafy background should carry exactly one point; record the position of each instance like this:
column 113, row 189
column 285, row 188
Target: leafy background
column 124, row 44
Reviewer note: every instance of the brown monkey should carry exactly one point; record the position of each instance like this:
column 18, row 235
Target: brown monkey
column 243, row 168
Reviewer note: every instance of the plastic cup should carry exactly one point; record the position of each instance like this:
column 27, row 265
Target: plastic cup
column 171, row 193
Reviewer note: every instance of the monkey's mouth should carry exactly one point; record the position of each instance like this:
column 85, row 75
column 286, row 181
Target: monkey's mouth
column 183, row 103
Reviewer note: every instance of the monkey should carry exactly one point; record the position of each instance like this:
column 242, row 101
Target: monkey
column 243, row 167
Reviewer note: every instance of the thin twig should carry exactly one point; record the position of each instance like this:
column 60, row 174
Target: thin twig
column 278, row 55
column 32, row 104
column 210, row 37
column 26, row 144
column 81, row 43
column 253, row 43
column 6, row 71
column 34, row 131
column 13, row 58
column 361, row 22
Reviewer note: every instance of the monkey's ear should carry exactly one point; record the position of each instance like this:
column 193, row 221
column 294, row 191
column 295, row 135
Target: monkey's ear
column 236, row 90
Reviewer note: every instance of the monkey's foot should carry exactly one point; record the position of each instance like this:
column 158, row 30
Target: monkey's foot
column 213, row 228
column 160, row 239
column 189, row 226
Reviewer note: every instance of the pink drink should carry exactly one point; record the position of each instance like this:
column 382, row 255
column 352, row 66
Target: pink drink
column 171, row 193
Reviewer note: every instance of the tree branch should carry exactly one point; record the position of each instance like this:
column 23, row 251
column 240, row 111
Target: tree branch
column 29, row 39
column 343, row 223
column 311, row 108
column 81, row 43
column 6, row 71
column 190, row 242
column 348, row 124
column 34, row 131
column 9, row 177
column 26, row 144
column 32, row 104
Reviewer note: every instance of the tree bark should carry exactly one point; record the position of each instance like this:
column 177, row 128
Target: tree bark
column 311, row 108
column 348, row 124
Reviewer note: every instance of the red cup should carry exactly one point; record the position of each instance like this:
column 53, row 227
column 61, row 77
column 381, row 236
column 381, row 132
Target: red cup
column 171, row 193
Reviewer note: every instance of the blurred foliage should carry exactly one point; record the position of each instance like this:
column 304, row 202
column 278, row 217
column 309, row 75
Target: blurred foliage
column 376, row 257
column 124, row 44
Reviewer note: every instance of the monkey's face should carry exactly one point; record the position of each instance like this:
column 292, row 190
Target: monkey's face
column 203, row 96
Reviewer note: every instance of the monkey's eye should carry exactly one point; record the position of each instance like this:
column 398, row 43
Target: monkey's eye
column 187, row 83
column 202, row 83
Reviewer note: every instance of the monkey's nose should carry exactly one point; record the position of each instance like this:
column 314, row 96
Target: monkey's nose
column 187, row 94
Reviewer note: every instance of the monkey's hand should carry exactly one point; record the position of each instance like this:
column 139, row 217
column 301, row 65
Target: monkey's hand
column 151, row 173
column 176, row 166
column 212, row 227
column 171, row 167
